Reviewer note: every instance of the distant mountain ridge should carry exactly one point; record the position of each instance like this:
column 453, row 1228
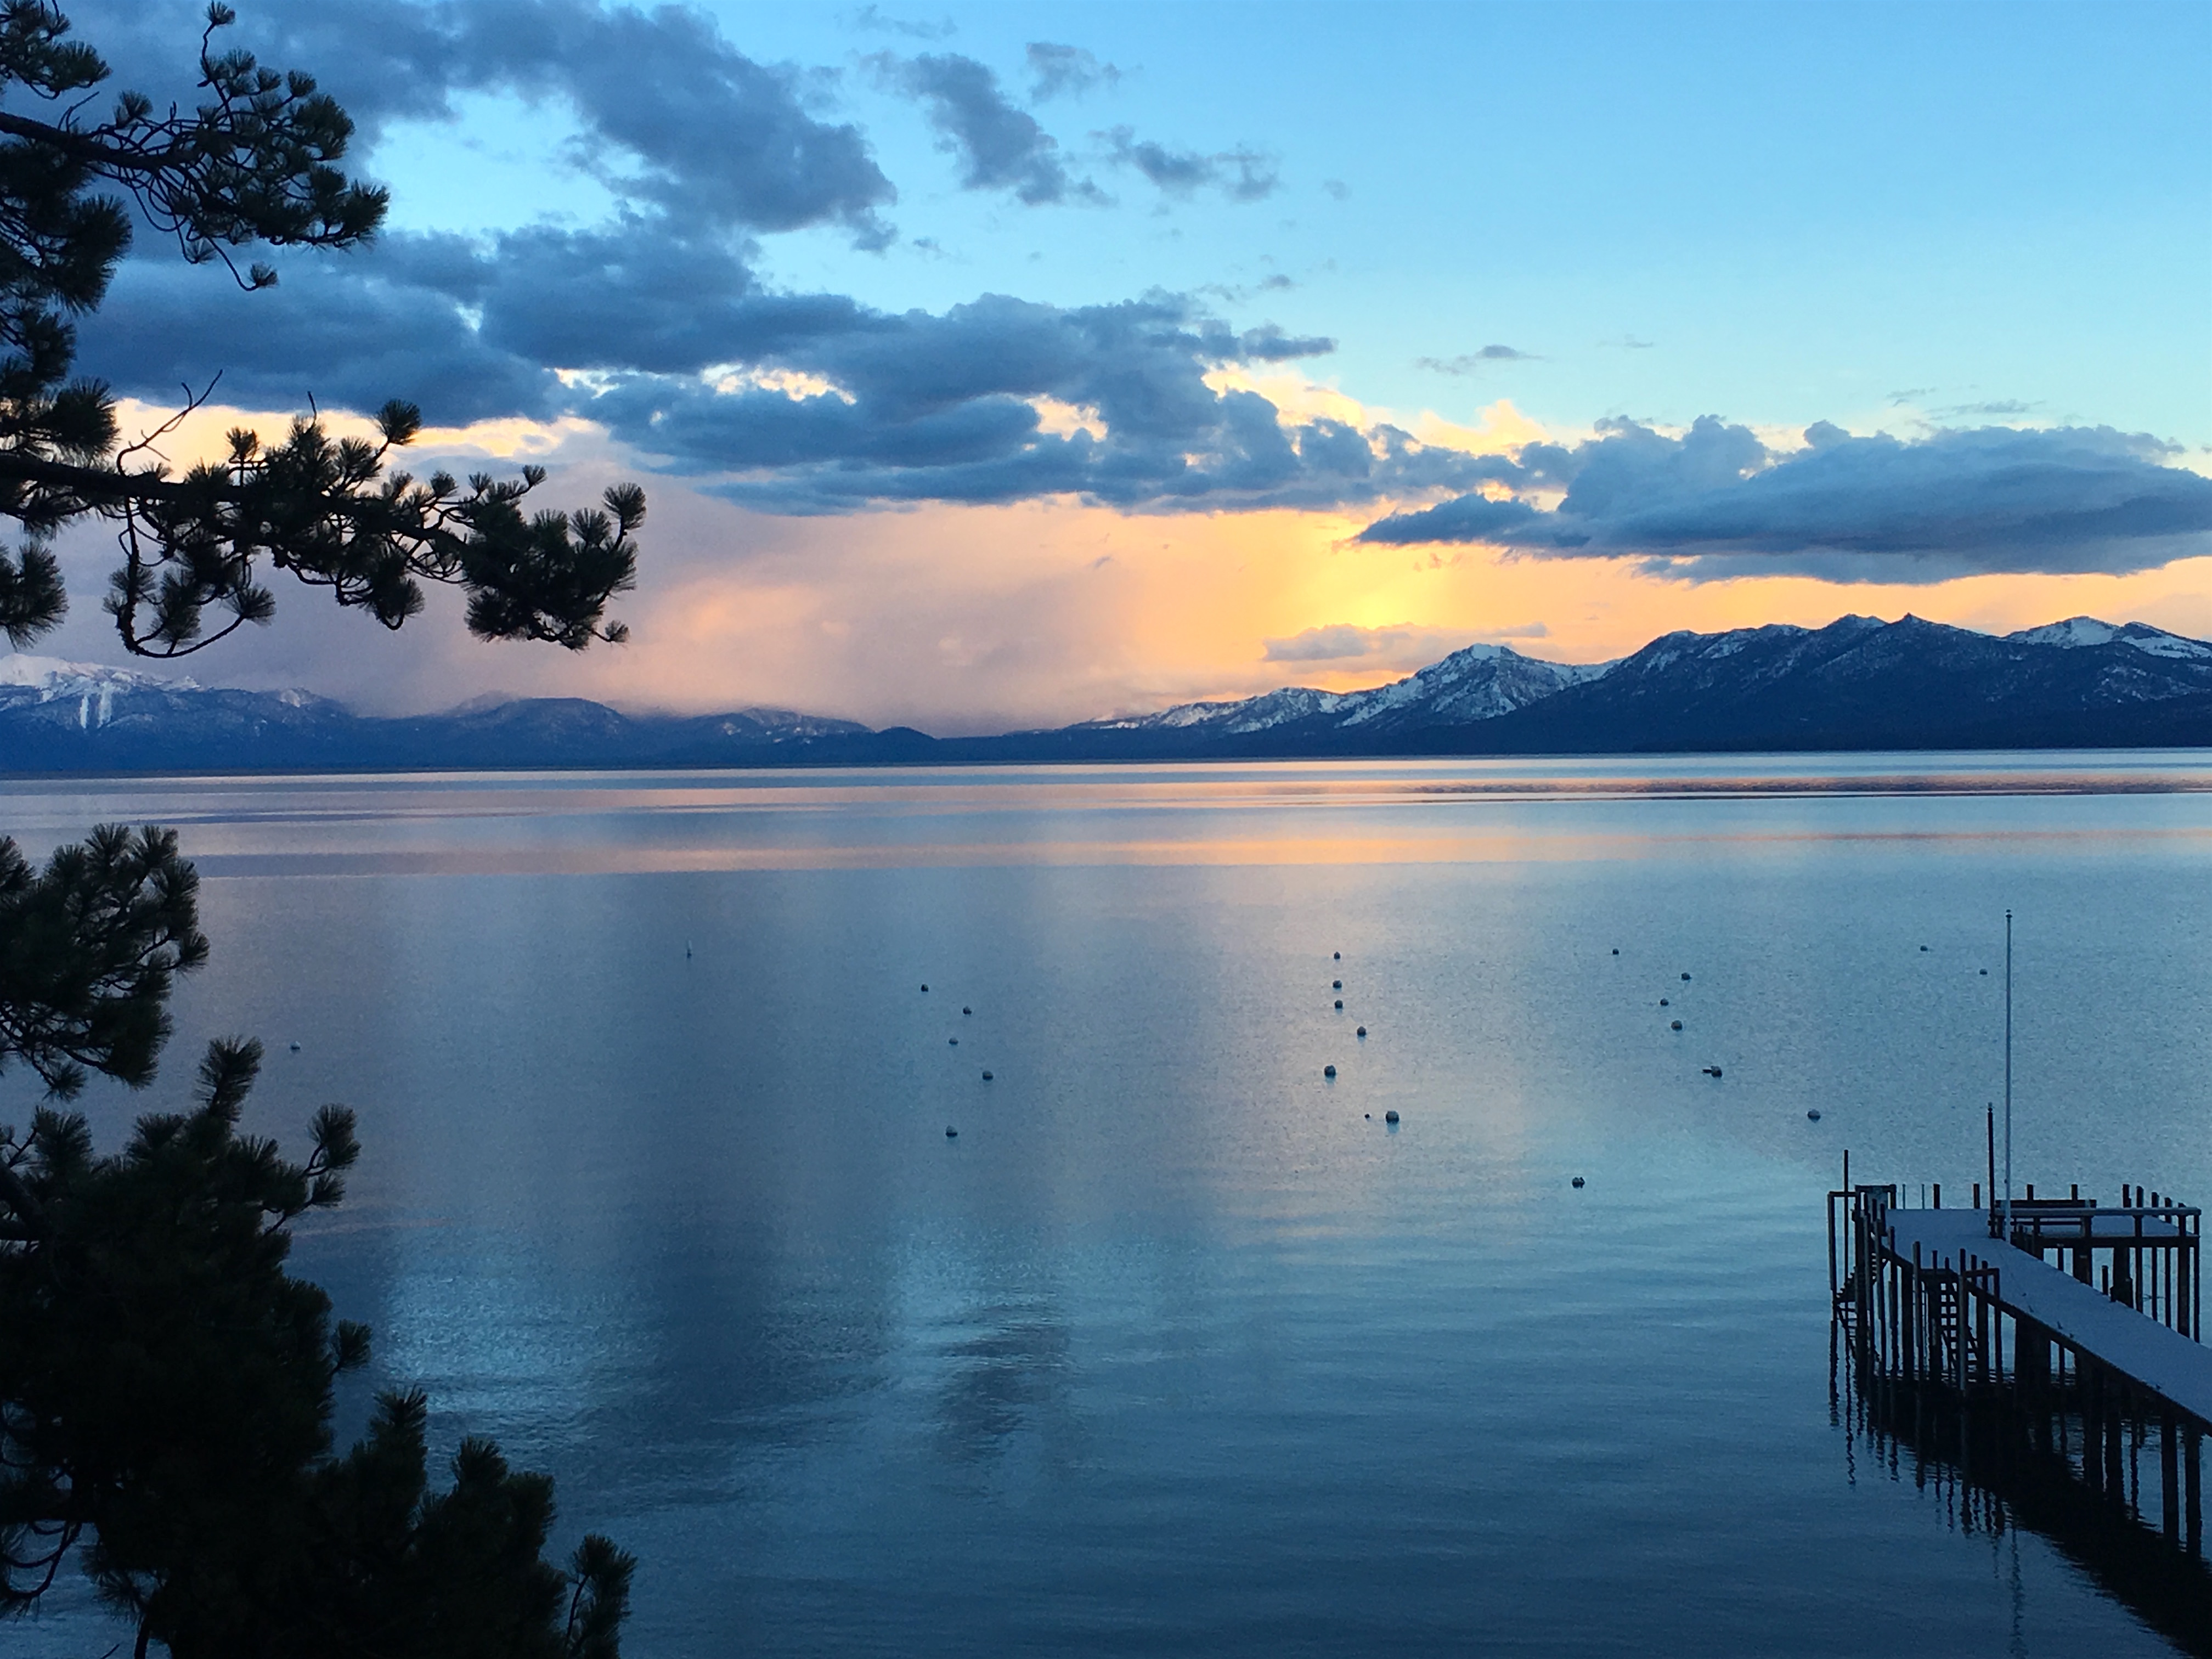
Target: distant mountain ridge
column 1857, row 683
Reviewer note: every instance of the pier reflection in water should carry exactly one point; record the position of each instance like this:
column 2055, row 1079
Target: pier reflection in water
column 2042, row 1462
column 2023, row 1396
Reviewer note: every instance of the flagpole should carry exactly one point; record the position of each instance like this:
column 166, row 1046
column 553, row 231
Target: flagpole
column 2007, row 1158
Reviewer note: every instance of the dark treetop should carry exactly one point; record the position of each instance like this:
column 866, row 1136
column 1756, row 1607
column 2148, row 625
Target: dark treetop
column 254, row 163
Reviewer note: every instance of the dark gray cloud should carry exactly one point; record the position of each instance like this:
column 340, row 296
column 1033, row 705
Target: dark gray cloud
column 1716, row 502
column 676, row 118
column 947, row 407
column 1241, row 174
column 658, row 324
column 1471, row 362
column 795, row 402
column 999, row 146
column 1057, row 71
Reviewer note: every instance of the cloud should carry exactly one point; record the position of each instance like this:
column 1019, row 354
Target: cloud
column 720, row 139
column 1716, row 502
column 1241, row 174
column 875, row 20
column 1470, row 363
column 1402, row 644
column 1056, row 70
column 657, row 327
column 999, row 146
column 793, row 402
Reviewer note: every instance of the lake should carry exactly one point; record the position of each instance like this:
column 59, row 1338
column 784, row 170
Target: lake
column 1178, row 1347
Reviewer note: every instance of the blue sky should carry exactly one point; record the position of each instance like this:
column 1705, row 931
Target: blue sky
column 1478, row 226
column 1805, row 210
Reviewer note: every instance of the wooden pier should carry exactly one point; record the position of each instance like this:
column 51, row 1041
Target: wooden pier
column 2076, row 1338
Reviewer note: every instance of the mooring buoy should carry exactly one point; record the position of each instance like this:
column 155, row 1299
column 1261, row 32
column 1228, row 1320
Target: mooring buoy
column 1685, row 976
column 1923, row 947
column 925, row 987
column 1815, row 1115
column 1340, row 1004
column 1578, row 1180
column 967, row 1011
column 952, row 1134
column 1336, row 985
column 1390, row 1116
column 987, row 1077
column 295, row 1048
column 1362, row 1031
column 1616, row 949
column 1328, row 1070
column 1675, row 1025
column 1712, row 1070
column 954, row 1041
column 1663, row 1002
column 1336, row 955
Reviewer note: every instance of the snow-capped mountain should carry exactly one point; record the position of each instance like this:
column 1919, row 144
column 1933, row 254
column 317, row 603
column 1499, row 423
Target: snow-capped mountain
column 1476, row 683
column 92, row 687
column 1858, row 683
column 2077, row 631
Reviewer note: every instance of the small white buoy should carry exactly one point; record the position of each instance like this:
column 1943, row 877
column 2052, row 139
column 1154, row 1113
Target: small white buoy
column 1815, row 1115
column 1390, row 1116
column 1362, row 1031
column 1578, row 1180
column 1328, row 1070
column 1675, row 1026
column 1712, row 1070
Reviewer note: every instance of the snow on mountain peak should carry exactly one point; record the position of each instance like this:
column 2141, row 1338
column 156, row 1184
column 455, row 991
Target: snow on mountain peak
column 2076, row 632
column 54, row 677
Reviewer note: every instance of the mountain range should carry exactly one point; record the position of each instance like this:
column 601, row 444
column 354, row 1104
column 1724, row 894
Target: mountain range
column 1858, row 683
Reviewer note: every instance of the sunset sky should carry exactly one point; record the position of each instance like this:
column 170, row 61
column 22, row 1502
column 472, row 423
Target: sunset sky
column 1004, row 366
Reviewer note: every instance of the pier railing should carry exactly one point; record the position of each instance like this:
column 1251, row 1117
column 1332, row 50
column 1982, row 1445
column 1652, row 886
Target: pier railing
column 2151, row 1246
column 2075, row 1340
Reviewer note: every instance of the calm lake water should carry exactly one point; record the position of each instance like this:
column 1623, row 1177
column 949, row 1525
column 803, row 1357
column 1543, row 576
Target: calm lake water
column 1177, row 1348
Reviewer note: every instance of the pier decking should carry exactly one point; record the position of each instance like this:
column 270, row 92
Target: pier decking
column 2160, row 1360
column 2089, row 1363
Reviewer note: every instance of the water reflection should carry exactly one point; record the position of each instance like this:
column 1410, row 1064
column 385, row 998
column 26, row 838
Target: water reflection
column 1998, row 1464
column 1174, row 1349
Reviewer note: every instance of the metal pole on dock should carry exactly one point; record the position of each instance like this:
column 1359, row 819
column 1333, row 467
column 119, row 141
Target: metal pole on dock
column 2008, row 1161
